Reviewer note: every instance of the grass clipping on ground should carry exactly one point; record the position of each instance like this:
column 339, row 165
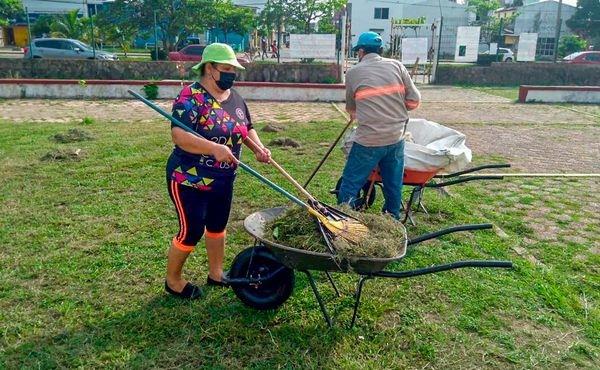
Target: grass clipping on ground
column 296, row 228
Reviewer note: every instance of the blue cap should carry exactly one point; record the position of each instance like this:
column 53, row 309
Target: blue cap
column 368, row 39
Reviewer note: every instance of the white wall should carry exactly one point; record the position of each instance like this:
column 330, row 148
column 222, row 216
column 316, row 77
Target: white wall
column 62, row 6
column 363, row 20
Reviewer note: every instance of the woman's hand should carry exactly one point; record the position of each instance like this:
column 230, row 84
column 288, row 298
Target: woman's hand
column 222, row 153
column 263, row 155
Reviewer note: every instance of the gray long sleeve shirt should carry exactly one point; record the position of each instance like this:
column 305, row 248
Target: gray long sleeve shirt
column 381, row 92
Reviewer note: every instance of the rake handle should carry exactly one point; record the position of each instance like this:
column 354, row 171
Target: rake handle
column 240, row 163
column 286, row 174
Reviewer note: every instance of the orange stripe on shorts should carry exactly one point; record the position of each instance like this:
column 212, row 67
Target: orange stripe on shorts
column 219, row 235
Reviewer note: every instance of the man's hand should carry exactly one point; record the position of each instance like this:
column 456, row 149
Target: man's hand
column 222, row 153
column 352, row 114
column 263, row 155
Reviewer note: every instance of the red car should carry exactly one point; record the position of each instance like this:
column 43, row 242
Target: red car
column 583, row 57
column 194, row 53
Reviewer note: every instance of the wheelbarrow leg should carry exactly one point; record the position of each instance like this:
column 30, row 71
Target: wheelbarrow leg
column 318, row 297
column 408, row 210
column 357, row 296
column 337, row 292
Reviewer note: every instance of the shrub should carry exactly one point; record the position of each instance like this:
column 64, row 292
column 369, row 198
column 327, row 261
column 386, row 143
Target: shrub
column 151, row 91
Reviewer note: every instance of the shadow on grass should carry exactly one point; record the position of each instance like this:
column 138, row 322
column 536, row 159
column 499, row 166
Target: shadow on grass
column 218, row 331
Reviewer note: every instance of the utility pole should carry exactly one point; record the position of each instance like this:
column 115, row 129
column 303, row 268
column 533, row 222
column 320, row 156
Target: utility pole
column 28, row 33
column 155, row 38
column 558, row 26
column 87, row 10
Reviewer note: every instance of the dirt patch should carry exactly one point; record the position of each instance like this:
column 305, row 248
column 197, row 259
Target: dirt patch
column 272, row 128
column 72, row 136
column 62, row 155
column 131, row 110
column 284, row 142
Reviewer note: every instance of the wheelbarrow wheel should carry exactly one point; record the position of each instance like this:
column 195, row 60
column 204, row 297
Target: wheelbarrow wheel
column 255, row 262
column 361, row 197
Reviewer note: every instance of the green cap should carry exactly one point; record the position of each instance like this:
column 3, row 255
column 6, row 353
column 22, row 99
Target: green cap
column 218, row 53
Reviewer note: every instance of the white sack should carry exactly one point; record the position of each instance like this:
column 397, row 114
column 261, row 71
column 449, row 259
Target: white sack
column 433, row 147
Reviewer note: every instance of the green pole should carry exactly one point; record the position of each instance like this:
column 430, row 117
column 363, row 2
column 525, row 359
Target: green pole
column 92, row 30
column 155, row 38
column 28, row 33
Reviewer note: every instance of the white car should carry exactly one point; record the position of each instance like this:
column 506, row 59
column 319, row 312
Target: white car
column 56, row 48
column 507, row 54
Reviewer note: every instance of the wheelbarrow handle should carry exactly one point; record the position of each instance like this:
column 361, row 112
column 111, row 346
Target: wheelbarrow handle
column 249, row 169
column 444, row 267
column 433, row 235
column 474, row 169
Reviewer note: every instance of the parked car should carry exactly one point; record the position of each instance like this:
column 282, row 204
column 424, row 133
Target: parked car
column 194, row 53
column 55, row 48
column 507, row 54
column 190, row 40
column 583, row 57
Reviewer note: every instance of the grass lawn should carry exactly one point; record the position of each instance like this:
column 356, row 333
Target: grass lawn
column 84, row 249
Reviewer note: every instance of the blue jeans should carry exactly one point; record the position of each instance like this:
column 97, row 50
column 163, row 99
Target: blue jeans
column 361, row 161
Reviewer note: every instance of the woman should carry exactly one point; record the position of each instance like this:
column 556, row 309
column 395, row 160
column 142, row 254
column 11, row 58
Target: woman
column 201, row 171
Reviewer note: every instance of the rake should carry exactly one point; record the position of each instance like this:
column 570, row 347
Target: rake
column 336, row 222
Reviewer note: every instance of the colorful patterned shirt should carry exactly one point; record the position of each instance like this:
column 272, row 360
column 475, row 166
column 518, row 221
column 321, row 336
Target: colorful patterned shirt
column 225, row 123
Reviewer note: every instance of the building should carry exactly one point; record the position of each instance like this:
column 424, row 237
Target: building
column 36, row 8
column 540, row 18
column 374, row 15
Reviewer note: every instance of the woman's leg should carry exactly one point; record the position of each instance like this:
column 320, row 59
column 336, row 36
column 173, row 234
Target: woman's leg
column 217, row 214
column 215, row 251
column 190, row 212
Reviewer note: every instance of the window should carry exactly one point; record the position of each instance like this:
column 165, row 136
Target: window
column 193, row 50
column 545, row 47
column 382, row 13
column 67, row 45
column 50, row 44
column 593, row 57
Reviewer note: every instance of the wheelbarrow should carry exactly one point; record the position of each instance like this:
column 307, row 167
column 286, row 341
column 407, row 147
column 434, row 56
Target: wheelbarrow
column 263, row 276
column 419, row 180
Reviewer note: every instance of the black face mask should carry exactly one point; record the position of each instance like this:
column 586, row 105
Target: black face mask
column 226, row 80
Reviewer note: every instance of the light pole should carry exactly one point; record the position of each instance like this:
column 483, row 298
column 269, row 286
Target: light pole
column 85, row 2
column 557, row 32
column 28, row 33
column 155, row 38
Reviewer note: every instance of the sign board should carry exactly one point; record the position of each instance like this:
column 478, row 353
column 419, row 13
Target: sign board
column 467, row 44
column 312, row 46
column 414, row 48
column 526, row 47
column 493, row 48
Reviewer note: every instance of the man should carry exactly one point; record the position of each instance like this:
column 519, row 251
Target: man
column 379, row 94
column 263, row 47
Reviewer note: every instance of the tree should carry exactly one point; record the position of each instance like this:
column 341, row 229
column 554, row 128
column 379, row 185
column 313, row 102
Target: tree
column 304, row 12
column 586, row 20
column 9, row 10
column 570, row 44
column 482, row 8
column 67, row 25
column 232, row 18
column 42, row 25
column 119, row 24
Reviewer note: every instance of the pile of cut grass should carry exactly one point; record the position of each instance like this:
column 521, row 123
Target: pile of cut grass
column 296, row 228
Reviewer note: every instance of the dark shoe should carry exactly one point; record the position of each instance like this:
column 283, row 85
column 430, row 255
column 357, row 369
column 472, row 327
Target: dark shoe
column 190, row 291
column 223, row 283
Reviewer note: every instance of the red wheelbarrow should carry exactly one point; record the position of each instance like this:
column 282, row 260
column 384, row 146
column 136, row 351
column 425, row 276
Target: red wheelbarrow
column 419, row 180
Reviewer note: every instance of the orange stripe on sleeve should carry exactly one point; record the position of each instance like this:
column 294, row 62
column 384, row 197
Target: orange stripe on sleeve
column 412, row 104
column 182, row 247
column 379, row 91
column 210, row 234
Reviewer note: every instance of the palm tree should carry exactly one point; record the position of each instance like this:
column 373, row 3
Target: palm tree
column 67, row 25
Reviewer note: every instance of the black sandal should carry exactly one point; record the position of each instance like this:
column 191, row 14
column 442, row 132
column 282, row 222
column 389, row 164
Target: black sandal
column 223, row 283
column 190, row 291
